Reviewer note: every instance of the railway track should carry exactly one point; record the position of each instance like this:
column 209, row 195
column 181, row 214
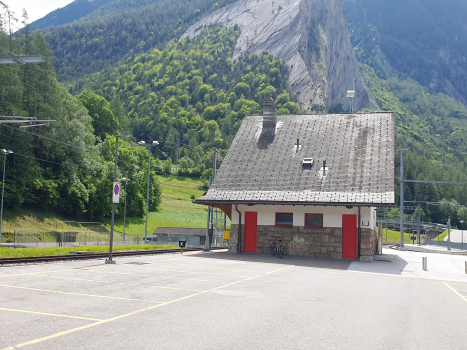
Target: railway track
column 87, row 256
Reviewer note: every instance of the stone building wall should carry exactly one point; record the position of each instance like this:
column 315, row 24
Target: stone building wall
column 367, row 244
column 323, row 242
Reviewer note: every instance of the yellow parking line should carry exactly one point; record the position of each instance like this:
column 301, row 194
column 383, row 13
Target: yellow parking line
column 29, row 273
column 203, row 272
column 172, row 278
column 69, row 278
column 455, row 291
column 50, row 271
column 175, row 288
column 212, row 268
column 80, row 294
column 56, row 335
column 110, row 282
column 49, row 314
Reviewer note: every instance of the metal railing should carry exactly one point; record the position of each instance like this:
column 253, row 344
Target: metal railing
column 49, row 239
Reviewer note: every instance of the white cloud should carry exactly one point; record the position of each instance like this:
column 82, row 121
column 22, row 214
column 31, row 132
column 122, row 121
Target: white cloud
column 35, row 8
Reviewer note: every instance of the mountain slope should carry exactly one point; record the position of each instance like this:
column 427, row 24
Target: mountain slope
column 195, row 89
column 309, row 35
column 71, row 12
column 424, row 39
column 119, row 29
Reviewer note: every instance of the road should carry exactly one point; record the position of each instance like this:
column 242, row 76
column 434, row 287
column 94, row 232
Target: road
column 224, row 301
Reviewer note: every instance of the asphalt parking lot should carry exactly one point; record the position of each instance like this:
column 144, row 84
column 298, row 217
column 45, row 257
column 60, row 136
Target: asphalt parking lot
column 218, row 300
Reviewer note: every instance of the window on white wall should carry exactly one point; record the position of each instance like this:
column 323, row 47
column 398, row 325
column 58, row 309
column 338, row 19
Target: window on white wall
column 313, row 220
column 284, row 219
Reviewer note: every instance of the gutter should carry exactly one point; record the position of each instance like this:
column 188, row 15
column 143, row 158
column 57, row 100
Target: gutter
column 329, row 204
column 359, row 233
column 239, row 245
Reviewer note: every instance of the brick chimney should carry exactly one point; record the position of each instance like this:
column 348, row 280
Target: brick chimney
column 269, row 113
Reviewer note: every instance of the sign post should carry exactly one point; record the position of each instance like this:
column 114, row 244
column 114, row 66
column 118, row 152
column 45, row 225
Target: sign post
column 182, row 244
column 116, row 193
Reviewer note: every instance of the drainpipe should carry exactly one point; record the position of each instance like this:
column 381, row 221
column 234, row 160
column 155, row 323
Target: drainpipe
column 359, row 232
column 239, row 244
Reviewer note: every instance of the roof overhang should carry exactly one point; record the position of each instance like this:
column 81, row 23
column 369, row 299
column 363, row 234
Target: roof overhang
column 294, row 203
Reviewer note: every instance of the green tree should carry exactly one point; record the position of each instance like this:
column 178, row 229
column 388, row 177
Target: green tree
column 167, row 166
column 100, row 110
column 241, row 88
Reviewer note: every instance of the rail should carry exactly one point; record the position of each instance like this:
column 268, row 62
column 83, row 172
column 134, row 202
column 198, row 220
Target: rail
column 88, row 256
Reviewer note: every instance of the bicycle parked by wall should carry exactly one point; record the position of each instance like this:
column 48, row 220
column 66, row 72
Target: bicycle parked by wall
column 276, row 247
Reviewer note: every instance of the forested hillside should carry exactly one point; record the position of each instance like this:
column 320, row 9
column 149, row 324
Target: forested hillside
column 119, row 29
column 71, row 12
column 195, row 89
column 63, row 167
column 127, row 64
column 425, row 40
column 432, row 126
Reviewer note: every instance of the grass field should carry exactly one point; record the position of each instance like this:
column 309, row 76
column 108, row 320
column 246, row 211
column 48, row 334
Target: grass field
column 395, row 236
column 443, row 235
column 35, row 220
column 33, row 252
column 176, row 210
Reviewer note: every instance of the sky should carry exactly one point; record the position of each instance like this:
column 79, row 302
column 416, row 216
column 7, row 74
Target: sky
column 35, row 8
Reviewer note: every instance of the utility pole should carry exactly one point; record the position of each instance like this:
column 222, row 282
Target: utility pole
column 177, row 151
column 124, row 210
column 153, row 143
column 419, row 224
column 5, row 153
column 402, row 185
column 449, row 233
column 214, row 168
column 109, row 260
column 207, row 245
column 351, row 95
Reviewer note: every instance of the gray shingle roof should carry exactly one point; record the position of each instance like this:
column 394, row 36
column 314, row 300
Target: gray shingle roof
column 265, row 166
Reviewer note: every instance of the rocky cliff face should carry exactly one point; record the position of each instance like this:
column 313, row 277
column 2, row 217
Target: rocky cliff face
column 310, row 36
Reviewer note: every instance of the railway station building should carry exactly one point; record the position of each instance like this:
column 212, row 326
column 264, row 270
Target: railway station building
column 313, row 180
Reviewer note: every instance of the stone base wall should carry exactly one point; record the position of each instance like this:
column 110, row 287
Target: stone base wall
column 302, row 241
column 325, row 242
column 233, row 241
column 367, row 244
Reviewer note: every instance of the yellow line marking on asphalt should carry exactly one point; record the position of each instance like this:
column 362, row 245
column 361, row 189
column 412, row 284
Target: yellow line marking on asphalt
column 50, row 271
column 29, row 273
column 111, row 282
column 191, row 290
column 56, row 335
column 172, row 278
column 204, row 273
column 156, row 261
column 49, row 314
column 80, row 294
column 213, row 268
column 69, row 278
column 455, row 291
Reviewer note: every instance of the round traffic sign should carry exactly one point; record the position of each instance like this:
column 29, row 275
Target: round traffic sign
column 116, row 189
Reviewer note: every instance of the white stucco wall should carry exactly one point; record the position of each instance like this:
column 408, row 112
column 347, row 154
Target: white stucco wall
column 332, row 216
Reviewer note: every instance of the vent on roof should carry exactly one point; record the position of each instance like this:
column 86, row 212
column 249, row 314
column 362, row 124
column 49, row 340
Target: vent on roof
column 307, row 162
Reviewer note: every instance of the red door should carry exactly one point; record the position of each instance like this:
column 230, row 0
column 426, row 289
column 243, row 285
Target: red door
column 349, row 236
column 251, row 225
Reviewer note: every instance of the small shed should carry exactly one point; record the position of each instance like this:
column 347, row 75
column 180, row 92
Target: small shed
column 313, row 180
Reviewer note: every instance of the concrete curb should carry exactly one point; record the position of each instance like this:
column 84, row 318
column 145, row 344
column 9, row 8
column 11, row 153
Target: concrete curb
column 433, row 250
